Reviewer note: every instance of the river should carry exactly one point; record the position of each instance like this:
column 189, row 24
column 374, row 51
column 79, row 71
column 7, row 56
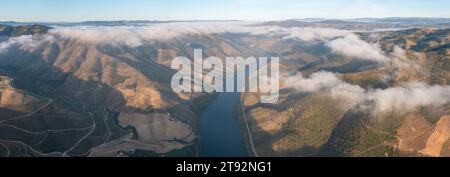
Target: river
column 220, row 133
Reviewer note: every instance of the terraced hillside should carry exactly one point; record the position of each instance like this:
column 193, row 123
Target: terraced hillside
column 81, row 96
column 64, row 97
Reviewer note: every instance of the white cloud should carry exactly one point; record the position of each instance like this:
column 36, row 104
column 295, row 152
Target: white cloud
column 135, row 36
column 329, row 82
column 410, row 96
column 352, row 46
column 125, row 36
column 401, row 98
column 346, row 43
column 339, row 41
column 405, row 97
column 25, row 42
column 21, row 40
column 314, row 34
column 399, row 53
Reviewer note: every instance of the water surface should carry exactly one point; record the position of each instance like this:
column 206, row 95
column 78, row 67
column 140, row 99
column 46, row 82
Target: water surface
column 220, row 134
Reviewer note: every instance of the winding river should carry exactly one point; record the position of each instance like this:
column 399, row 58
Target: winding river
column 219, row 129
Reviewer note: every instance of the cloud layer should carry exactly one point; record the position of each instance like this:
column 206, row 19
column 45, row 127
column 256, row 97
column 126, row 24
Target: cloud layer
column 401, row 98
column 342, row 42
column 352, row 46
column 25, row 40
column 314, row 34
column 135, row 36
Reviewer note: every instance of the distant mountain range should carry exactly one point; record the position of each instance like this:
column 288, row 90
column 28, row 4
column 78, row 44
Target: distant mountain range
column 104, row 23
column 388, row 20
column 384, row 20
column 365, row 23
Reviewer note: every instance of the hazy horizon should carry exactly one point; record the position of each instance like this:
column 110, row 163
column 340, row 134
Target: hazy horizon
column 215, row 20
column 247, row 10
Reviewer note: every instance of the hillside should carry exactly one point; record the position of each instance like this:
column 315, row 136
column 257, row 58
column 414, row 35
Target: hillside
column 318, row 123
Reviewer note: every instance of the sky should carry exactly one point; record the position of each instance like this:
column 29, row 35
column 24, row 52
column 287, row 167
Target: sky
column 259, row 10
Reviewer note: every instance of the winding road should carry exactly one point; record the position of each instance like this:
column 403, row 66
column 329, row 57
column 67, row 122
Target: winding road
column 248, row 127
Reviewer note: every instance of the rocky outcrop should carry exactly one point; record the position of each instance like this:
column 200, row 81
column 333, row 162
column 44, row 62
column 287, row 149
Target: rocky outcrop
column 438, row 143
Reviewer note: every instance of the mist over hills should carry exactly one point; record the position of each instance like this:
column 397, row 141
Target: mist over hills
column 366, row 23
column 107, row 23
column 393, row 21
column 360, row 87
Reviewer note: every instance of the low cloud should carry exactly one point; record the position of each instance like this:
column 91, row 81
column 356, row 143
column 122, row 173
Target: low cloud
column 14, row 41
column 352, row 46
column 107, row 35
column 328, row 82
column 401, row 98
column 410, row 96
column 25, row 42
column 342, row 42
column 339, row 41
column 314, row 34
column 399, row 53
column 136, row 36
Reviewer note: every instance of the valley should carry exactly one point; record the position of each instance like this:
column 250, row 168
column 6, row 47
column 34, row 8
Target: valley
column 347, row 88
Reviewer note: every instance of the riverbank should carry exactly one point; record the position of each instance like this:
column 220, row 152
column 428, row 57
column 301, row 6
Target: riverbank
column 246, row 131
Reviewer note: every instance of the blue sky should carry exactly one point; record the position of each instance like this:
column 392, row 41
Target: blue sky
column 82, row 10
